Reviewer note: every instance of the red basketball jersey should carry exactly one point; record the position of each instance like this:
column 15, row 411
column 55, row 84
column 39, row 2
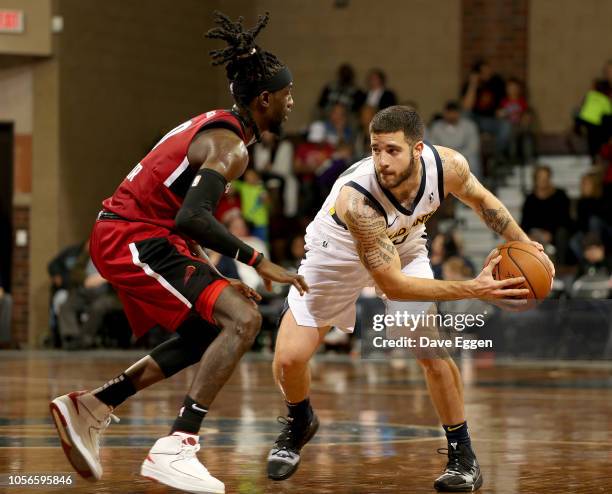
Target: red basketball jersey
column 154, row 190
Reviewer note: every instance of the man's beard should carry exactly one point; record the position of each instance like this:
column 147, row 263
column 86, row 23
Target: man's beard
column 401, row 178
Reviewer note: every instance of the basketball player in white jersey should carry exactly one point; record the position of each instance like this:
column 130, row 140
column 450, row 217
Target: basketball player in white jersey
column 371, row 232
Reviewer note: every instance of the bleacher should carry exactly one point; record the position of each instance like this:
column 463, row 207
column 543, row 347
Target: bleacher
column 567, row 173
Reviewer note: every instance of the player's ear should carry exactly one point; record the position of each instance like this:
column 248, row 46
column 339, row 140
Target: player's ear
column 417, row 150
column 264, row 99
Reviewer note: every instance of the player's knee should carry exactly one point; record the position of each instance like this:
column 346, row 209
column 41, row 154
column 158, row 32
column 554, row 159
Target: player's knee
column 247, row 324
column 291, row 361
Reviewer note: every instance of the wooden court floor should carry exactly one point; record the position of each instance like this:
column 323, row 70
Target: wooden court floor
column 535, row 429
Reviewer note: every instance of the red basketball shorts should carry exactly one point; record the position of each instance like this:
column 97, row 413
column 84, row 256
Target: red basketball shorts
column 154, row 273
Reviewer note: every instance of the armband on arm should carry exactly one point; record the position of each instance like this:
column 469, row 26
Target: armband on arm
column 196, row 219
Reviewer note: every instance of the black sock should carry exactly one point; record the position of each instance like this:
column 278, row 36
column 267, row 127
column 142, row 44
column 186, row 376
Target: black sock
column 458, row 434
column 190, row 417
column 300, row 412
column 115, row 391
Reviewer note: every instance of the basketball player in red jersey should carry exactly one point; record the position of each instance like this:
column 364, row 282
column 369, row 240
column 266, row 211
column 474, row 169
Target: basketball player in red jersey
column 144, row 242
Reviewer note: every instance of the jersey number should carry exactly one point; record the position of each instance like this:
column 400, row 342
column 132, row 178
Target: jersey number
column 135, row 171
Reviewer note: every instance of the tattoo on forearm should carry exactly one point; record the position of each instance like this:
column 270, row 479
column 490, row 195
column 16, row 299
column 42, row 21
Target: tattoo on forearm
column 368, row 228
column 496, row 219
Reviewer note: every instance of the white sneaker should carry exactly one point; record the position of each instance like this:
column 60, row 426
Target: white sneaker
column 173, row 462
column 80, row 419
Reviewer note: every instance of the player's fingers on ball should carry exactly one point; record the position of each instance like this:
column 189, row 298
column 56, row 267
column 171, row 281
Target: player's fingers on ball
column 512, row 281
column 515, row 292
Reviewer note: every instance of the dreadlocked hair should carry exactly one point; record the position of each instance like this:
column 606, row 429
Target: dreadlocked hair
column 244, row 60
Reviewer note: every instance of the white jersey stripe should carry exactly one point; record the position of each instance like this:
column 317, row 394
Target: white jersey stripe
column 177, row 172
column 161, row 280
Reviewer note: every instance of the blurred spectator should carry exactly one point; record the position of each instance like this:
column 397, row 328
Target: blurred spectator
column 297, row 252
column 456, row 269
column 594, row 260
column 237, row 226
column 589, row 213
column 443, row 247
column 546, row 213
column 342, row 91
column 482, row 95
column 254, row 202
column 59, row 269
column 228, row 204
column 595, row 116
column 337, row 129
column 309, row 157
column 362, row 139
column 318, row 164
column 514, row 105
column 6, row 310
column 458, row 133
column 273, row 159
column 514, row 109
column 90, row 300
column 378, row 96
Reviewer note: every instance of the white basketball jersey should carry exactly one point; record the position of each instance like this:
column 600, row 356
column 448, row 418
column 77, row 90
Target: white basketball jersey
column 404, row 226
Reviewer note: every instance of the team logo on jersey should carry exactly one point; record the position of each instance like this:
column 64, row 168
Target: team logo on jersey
column 431, row 197
column 189, row 270
column 400, row 236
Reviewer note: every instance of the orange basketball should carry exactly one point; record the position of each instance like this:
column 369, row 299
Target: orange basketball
column 523, row 259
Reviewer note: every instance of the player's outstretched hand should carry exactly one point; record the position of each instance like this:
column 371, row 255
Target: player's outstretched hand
column 486, row 287
column 246, row 290
column 273, row 272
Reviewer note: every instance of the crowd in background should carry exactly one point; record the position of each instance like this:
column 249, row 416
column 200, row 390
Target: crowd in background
column 492, row 123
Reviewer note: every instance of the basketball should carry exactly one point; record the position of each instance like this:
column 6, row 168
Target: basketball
column 524, row 259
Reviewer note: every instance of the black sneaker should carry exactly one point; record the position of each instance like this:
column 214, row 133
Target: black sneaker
column 462, row 472
column 284, row 457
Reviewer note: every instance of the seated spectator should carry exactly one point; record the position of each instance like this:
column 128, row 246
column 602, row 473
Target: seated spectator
column 6, row 311
column 337, row 130
column 378, row 96
column 546, row 213
column 594, row 259
column 514, row 109
column 318, row 163
column 482, row 95
column 362, row 140
column 228, row 204
column 237, row 226
column 455, row 268
column 273, row 159
column 342, row 91
column 458, row 133
column 254, row 203
column 90, row 300
column 589, row 213
column 443, row 247
column 59, row 269
column 296, row 254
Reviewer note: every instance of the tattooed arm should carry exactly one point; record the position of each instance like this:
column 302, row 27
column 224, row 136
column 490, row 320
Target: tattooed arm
column 377, row 253
column 459, row 181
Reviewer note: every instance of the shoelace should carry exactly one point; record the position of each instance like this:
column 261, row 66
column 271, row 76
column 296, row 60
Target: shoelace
column 457, row 463
column 285, row 444
column 98, row 432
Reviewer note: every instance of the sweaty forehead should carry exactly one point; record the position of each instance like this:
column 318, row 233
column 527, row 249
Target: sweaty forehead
column 389, row 139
